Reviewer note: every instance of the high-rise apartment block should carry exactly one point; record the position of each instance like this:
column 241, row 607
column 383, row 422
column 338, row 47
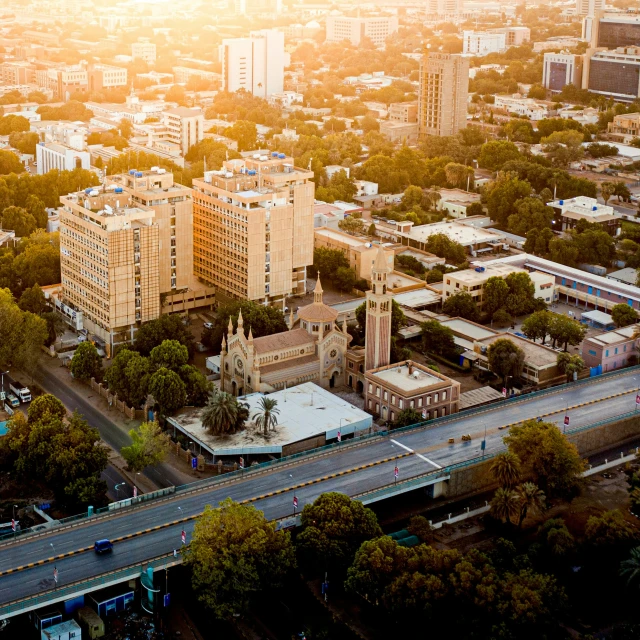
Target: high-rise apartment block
column 126, row 253
column 255, row 64
column 615, row 74
column 589, row 7
column 253, row 228
column 560, row 69
column 612, row 30
column 377, row 29
column 444, row 89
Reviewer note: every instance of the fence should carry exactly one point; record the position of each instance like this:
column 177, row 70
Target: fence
column 112, row 399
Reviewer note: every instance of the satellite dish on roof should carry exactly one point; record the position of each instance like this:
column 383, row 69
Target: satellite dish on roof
column 108, row 209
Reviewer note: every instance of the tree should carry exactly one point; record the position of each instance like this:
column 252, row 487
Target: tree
column 244, row 133
column 462, row 305
column 18, row 220
column 9, row 163
column 547, row 457
column 458, row 174
column 170, row 354
column 234, row 555
column 630, row 568
column 609, row 530
column 531, row 213
column 443, row 247
column 502, row 318
column 501, row 195
column 506, row 359
column 266, row 417
column 563, row 251
column 38, row 259
column 327, row 262
column 264, row 321
column 505, row 505
column 168, row 390
column 495, row 295
column 86, row 362
column 538, row 92
column 333, row 528
column 412, row 197
column 407, row 417
column 566, row 331
column 45, row 407
column 563, row 147
column 556, row 538
column 33, row 300
column 437, row 338
column 537, row 325
column 176, row 94
column 521, row 293
column 166, row 327
column 624, row 315
column 606, row 190
column 149, row 447
column 495, row 153
column 594, row 246
column 66, row 455
column 223, row 414
column 506, row 469
column 532, row 500
column 196, row 385
column 352, row 225
column 569, row 364
column 599, row 150
column 371, row 231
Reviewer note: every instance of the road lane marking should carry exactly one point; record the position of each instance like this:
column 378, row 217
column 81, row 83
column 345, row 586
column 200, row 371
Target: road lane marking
column 437, row 466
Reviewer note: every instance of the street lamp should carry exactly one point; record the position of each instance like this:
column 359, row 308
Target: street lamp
column 117, row 488
column 2, row 375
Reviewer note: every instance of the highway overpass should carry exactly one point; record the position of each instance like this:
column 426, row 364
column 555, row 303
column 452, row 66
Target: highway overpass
column 152, row 530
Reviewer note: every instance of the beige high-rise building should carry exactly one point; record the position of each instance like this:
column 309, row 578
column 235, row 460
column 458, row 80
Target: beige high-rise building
column 444, row 89
column 253, row 228
column 126, row 254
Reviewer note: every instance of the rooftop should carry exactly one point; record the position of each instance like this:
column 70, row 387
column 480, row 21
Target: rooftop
column 583, row 206
column 398, row 376
column 306, row 410
column 282, row 340
column 340, row 236
column 536, row 355
column 464, row 234
column 468, row 329
column 626, row 275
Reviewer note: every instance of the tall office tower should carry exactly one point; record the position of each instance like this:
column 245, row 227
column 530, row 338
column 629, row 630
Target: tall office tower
column 444, row 89
column 560, row 69
column 253, row 228
column 255, row 64
column 377, row 29
column 379, row 311
column 612, row 30
column 589, row 7
column 615, row 74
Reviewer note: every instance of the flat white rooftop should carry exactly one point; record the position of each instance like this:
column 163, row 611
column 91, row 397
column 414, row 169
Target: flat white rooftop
column 306, row 411
column 399, row 377
column 462, row 233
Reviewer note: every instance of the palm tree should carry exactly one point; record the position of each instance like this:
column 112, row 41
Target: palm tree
column 631, row 566
column 531, row 499
column 220, row 415
column 267, row 416
column 506, row 469
column 505, row 504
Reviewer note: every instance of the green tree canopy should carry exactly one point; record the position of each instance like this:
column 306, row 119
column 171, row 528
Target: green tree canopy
column 234, row 555
column 501, row 195
column 624, row 315
column 166, row 327
column 86, row 363
column 537, row 325
column 170, row 354
column 46, row 406
column 506, row 360
column 223, row 413
column 333, row 528
column 168, row 390
column 149, row 447
column 530, row 213
column 437, row 338
column 462, row 305
column 495, row 153
column 547, row 457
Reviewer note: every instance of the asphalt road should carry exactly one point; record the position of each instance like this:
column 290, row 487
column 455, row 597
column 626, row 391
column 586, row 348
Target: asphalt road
column 163, row 475
column 430, row 448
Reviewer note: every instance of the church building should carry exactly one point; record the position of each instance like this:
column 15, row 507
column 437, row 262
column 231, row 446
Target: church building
column 313, row 350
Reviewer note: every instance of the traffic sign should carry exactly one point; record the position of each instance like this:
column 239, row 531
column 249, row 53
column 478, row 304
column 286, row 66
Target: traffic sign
column 396, row 472
column 339, row 437
column 638, row 398
column 167, row 599
column 504, row 392
column 295, row 502
column 135, row 491
column 194, row 463
column 241, row 462
column 13, row 525
column 183, row 537
column 566, row 421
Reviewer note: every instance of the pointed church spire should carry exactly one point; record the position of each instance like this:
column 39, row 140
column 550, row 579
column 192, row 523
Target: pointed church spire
column 250, row 337
column 223, row 346
column 240, row 328
column 230, row 328
column 380, row 263
column 317, row 292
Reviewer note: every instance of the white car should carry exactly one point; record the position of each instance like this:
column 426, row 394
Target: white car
column 208, row 325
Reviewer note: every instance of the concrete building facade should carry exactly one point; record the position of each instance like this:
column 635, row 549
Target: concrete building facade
column 253, row 228
column 483, row 42
column 255, row 64
column 144, row 51
column 377, row 29
column 185, row 127
column 560, row 69
column 442, row 98
column 611, row 350
column 51, row 155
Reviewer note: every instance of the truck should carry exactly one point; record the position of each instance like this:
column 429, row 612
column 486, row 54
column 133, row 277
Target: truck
column 23, row 393
column 11, row 400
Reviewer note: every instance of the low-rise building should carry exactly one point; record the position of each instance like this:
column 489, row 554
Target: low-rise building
column 144, row 50
column 409, row 385
column 365, row 188
column 333, row 169
column 625, row 127
column 481, row 43
column 404, row 111
column 69, row 630
column 456, row 201
column 528, row 107
column 611, row 350
column 326, row 215
column 406, row 132
column 540, row 362
column 473, row 281
column 51, row 155
column 583, row 208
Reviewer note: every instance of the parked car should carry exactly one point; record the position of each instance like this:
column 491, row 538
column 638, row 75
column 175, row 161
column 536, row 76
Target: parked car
column 208, row 325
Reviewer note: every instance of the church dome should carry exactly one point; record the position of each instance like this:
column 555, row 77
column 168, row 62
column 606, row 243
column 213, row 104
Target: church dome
column 317, row 311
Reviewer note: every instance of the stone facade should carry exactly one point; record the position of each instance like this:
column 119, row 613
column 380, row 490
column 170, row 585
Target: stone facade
column 313, row 350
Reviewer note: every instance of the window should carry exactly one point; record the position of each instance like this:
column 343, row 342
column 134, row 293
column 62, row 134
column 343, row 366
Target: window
column 428, row 400
column 606, row 353
column 615, row 352
column 590, row 290
column 444, row 396
column 592, row 352
column 384, row 396
column 400, row 403
column 411, row 404
column 378, row 391
column 419, row 402
column 370, row 388
column 393, row 399
column 435, row 397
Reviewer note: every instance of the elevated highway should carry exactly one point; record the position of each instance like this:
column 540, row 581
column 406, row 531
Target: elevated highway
column 363, row 469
